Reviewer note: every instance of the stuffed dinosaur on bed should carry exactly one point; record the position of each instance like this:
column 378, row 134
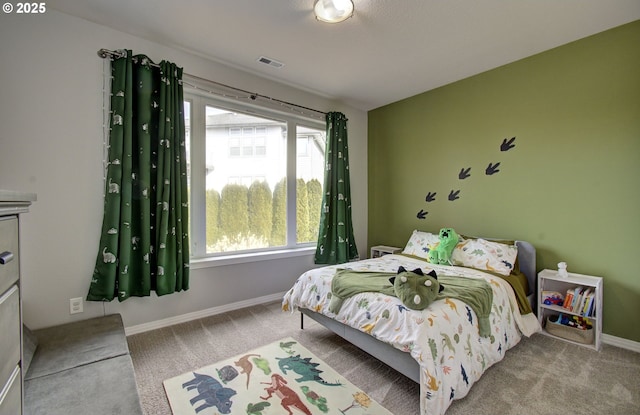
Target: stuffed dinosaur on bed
column 416, row 289
column 441, row 254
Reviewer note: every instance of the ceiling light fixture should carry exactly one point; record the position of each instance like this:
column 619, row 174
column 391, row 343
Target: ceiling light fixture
column 333, row 11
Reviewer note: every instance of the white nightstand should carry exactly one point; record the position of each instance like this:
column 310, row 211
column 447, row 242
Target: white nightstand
column 381, row 250
column 586, row 287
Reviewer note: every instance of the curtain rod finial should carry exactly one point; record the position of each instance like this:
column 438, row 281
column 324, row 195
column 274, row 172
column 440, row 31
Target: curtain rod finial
column 106, row 53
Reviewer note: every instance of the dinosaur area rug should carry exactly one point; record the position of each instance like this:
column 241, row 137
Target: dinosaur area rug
column 281, row 378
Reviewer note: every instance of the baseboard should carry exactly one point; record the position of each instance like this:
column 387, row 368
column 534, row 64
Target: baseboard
column 620, row 342
column 141, row 328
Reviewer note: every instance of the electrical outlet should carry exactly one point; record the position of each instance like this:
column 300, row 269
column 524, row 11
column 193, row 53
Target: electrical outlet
column 75, row 305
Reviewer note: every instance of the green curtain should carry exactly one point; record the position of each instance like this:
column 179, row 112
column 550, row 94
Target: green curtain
column 144, row 243
column 336, row 243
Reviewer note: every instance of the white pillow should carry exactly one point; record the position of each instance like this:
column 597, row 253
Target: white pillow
column 420, row 243
column 485, row 255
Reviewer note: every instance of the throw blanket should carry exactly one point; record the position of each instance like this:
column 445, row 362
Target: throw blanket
column 476, row 293
column 347, row 283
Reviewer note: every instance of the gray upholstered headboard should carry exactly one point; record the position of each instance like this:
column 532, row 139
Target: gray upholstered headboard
column 527, row 263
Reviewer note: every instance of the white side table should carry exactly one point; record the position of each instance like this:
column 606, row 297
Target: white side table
column 381, row 250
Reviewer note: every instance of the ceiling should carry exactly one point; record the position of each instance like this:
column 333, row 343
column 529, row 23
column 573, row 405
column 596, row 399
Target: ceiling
column 388, row 50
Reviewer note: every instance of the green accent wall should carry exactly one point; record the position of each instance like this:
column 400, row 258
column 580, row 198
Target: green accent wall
column 571, row 184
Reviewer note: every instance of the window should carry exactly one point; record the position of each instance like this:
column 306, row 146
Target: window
column 303, row 146
column 251, row 188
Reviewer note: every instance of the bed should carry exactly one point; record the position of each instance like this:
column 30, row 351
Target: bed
column 440, row 347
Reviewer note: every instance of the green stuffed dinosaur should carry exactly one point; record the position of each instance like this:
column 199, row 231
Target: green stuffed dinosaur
column 441, row 254
column 415, row 289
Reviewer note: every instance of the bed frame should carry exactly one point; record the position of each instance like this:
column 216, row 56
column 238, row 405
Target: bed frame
column 397, row 359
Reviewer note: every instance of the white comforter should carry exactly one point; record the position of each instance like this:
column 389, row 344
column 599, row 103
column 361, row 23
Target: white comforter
column 443, row 338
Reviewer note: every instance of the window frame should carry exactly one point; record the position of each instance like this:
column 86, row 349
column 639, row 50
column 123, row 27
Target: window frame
column 197, row 125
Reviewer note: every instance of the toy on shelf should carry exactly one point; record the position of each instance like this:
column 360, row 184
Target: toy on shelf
column 562, row 269
column 552, row 298
column 578, row 322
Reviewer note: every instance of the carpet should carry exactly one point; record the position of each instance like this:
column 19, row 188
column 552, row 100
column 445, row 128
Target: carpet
column 282, row 377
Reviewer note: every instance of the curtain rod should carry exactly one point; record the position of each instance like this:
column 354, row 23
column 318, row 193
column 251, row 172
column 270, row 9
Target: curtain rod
column 111, row 54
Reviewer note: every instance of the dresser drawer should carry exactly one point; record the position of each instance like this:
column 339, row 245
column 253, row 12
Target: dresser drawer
column 11, row 395
column 9, row 271
column 10, row 329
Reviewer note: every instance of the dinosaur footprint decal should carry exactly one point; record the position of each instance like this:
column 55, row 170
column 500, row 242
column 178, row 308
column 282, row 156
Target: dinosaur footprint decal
column 465, row 172
column 507, row 145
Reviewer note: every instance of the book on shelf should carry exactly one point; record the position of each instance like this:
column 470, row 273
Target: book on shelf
column 577, row 295
column 583, row 299
column 580, row 300
column 589, row 308
column 587, row 304
column 568, row 299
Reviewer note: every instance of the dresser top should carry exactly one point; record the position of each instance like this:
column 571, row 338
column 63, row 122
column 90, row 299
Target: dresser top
column 14, row 196
column 12, row 202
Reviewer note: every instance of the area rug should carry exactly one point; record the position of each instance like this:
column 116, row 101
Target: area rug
column 280, row 378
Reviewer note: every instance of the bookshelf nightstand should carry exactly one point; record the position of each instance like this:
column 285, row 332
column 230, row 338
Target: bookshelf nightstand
column 588, row 291
column 381, row 250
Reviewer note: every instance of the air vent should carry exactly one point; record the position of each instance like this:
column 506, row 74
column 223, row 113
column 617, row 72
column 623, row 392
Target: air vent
column 270, row 62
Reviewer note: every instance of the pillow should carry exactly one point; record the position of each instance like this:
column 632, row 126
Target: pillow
column 420, row 243
column 516, row 266
column 485, row 255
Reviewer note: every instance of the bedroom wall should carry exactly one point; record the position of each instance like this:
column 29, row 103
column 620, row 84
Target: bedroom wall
column 51, row 143
column 571, row 184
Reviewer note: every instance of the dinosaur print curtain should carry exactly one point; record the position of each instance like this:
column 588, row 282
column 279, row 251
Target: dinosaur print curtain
column 336, row 243
column 144, row 243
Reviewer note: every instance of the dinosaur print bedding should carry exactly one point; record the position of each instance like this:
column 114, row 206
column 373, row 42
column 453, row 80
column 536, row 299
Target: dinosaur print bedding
column 443, row 338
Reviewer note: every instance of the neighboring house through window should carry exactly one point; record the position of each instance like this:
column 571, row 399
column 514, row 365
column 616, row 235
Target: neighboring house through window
column 255, row 177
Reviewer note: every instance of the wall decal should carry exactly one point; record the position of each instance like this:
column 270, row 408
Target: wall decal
column 507, row 145
column 465, row 172
column 492, row 169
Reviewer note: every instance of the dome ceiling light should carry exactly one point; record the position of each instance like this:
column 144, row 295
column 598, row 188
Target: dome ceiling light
column 333, row 11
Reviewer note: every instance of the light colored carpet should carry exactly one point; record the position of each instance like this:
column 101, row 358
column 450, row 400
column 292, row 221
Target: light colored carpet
column 539, row 376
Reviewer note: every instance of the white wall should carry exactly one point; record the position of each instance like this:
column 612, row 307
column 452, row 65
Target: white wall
column 51, row 144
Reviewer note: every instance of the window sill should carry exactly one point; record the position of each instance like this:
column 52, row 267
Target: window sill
column 218, row 261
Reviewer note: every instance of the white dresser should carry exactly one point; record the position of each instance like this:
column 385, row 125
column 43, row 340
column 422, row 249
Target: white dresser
column 12, row 204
